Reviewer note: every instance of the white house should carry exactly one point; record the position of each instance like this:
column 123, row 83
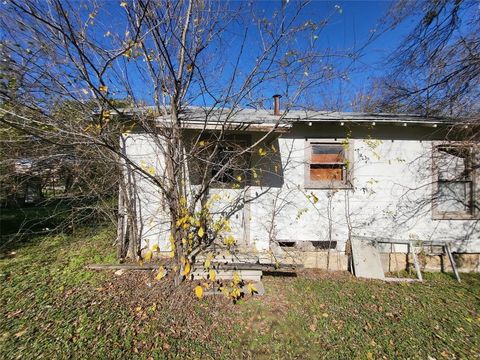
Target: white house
column 322, row 178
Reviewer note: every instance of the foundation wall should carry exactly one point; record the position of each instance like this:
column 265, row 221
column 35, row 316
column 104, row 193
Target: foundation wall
column 393, row 262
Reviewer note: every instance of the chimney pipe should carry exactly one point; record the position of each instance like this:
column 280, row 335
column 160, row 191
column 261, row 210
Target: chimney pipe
column 276, row 104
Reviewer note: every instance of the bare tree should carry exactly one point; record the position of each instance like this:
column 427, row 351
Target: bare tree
column 436, row 68
column 219, row 56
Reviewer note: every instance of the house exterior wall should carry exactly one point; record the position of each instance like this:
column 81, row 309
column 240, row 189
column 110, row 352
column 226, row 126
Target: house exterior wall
column 390, row 197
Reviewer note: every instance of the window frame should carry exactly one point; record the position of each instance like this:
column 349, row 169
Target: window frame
column 473, row 213
column 329, row 184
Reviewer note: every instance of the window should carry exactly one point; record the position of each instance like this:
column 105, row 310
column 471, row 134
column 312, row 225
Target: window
column 327, row 165
column 454, row 193
column 220, row 160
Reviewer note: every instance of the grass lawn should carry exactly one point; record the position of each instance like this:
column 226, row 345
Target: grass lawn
column 52, row 308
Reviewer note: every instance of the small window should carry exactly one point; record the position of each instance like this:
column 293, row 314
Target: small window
column 327, row 165
column 454, row 195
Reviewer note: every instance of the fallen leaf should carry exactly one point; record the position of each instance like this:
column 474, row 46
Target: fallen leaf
column 198, row 291
column 161, row 273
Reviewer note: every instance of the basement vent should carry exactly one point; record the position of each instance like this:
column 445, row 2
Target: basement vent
column 286, row 244
column 324, row 245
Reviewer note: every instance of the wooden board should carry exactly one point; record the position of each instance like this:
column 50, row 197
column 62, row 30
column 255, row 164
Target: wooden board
column 223, row 266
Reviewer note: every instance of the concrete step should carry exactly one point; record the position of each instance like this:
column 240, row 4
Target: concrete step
column 246, row 275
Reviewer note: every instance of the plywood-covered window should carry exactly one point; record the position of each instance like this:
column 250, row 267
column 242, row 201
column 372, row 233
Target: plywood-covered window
column 455, row 195
column 327, row 164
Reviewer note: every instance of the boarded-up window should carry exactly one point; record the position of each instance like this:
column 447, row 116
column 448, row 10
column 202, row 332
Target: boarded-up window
column 454, row 193
column 327, row 165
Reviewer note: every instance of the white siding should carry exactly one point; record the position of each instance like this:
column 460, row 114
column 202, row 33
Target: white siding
column 390, row 198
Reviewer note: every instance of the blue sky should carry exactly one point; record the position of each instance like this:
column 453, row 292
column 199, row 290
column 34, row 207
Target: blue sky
column 350, row 26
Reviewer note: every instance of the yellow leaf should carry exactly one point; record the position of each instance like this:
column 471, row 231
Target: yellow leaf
column 201, row 143
column 148, row 255
column 103, row 88
column 155, row 247
column 201, row 232
column 212, row 275
column 186, row 269
column 123, row 4
column 315, row 199
column 251, row 289
column 236, row 278
column 151, row 170
column 369, row 355
column 262, row 152
column 229, row 240
column 171, row 254
column 207, row 263
column 224, row 291
column 239, row 178
column 235, row 293
column 161, row 274
column 198, row 291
